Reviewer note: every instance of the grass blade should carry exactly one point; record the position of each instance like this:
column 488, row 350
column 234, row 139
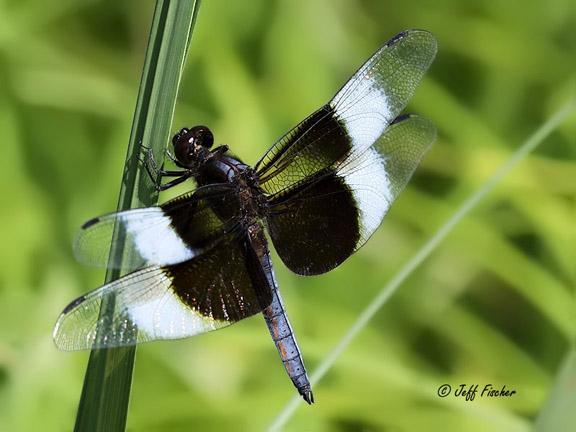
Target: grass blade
column 104, row 402
column 558, row 412
column 386, row 292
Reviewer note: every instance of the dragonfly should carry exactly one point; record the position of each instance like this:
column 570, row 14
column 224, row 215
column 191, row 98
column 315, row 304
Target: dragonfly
column 320, row 192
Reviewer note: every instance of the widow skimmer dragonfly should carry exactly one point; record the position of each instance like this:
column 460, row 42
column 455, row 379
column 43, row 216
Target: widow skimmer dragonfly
column 320, row 191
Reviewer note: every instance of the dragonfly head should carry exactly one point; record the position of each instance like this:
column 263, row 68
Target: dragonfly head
column 192, row 146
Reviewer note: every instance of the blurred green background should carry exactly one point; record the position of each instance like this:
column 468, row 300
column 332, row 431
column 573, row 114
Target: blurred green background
column 493, row 304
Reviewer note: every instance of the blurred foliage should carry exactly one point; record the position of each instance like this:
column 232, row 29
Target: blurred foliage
column 494, row 304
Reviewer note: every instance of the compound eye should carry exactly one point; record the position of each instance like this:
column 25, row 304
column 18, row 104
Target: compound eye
column 181, row 134
column 203, row 136
column 183, row 147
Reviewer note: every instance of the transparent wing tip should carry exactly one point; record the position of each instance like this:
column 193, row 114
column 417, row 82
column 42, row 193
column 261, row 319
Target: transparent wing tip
column 59, row 337
column 423, row 38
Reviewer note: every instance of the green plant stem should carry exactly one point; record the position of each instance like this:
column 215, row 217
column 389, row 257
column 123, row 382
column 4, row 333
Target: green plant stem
column 390, row 288
column 104, row 401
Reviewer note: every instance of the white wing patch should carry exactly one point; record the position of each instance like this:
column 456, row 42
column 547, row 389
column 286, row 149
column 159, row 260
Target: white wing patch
column 164, row 316
column 363, row 108
column 366, row 176
column 155, row 239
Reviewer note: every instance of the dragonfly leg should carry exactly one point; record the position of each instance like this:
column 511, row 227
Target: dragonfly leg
column 156, row 174
column 149, row 162
column 162, row 187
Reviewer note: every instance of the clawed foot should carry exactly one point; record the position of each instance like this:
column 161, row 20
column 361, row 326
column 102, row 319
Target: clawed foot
column 156, row 174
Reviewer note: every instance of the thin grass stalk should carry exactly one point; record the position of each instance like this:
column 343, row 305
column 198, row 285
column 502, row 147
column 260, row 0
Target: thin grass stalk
column 386, row 292
column 105, row 395
column 558, row 412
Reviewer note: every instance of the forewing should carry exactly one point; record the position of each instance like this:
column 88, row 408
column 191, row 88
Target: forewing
column 171, row 233
column 355, row 118
column 319, row 224
column 210, row 291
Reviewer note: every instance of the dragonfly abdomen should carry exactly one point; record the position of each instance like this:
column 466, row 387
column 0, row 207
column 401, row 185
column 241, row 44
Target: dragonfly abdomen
column 285, row 341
